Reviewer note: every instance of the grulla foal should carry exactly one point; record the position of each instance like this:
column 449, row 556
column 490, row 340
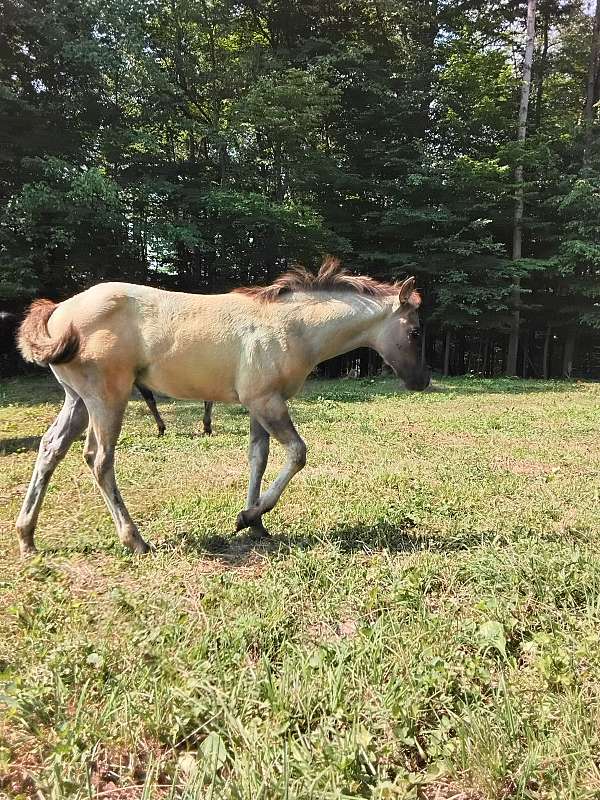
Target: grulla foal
column 254, row 346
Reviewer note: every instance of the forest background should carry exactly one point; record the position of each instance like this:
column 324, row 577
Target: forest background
column 198, row 145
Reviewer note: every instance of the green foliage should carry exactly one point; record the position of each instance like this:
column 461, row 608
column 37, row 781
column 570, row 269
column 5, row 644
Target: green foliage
column 197, row 146
column 65, row 229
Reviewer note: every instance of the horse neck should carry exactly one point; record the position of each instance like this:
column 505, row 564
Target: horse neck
column 335, row 324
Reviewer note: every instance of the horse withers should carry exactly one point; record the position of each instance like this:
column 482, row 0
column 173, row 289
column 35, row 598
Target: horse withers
column 254, row 346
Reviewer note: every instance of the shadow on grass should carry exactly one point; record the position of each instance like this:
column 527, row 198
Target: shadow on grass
column 19, row 444
column 239, row 550
column 30, row 391
column 236, row 550
column 367, row 390
column 35, row 390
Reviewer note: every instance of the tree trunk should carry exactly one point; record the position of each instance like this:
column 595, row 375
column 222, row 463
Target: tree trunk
column 545, row 357
column 447, row 352
column 568, row 353
column 525, row 349
column 592, row 88
column 513, row 341
column 426, row 32
column 459, row 369
column 542, row 68
column 486, row 347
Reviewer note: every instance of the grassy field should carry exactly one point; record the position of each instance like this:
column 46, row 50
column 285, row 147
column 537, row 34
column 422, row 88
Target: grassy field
column 424, row 622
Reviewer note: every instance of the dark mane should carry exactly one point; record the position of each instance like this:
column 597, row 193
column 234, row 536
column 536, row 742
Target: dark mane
column 330, row 276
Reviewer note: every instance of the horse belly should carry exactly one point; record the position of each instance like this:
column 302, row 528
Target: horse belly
column 191, row 376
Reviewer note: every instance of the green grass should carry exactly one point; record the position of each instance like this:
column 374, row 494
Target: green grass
column 424, row 622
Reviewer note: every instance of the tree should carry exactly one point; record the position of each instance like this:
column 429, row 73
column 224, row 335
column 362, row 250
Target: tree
column 198, row 145
column 513, row 341
column 592, row 89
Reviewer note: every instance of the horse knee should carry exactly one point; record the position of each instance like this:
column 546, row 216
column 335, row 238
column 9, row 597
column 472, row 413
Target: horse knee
column 49, row 452
column 299, row 454
column 100, row 462
column 89, row 456
column 102, row 465
column 52, row 449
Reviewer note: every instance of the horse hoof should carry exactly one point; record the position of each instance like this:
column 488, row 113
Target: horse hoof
column 241, row 521
column 161, row 431
column 259, row 532
column 28, row 551
column 137, row 546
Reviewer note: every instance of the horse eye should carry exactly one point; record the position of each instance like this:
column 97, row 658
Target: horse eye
column 415, row 333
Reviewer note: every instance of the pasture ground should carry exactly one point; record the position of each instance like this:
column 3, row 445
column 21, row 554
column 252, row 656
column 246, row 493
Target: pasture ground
column 424, row 622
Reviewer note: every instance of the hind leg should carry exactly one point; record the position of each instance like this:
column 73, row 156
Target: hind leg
column 258, row 455
column 151, row 403
column 67, row 426
column 105, row 425
column 207, row 418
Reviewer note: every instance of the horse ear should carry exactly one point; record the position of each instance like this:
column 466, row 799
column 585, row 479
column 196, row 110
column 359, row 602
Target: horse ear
column 407, row 293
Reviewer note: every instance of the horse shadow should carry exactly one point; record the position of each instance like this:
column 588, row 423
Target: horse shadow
column 238, row 550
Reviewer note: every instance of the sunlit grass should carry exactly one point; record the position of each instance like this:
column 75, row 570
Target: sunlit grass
column 423, row 623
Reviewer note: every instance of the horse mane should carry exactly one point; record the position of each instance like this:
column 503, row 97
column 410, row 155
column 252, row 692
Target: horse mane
column 331, row 276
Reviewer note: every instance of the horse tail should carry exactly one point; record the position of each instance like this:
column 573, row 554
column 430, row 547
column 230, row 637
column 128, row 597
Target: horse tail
column 36, row 344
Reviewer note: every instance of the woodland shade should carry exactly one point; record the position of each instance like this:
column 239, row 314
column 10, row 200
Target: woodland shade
column 199, row 146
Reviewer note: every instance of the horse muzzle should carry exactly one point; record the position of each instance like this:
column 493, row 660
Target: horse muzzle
column 419, row 381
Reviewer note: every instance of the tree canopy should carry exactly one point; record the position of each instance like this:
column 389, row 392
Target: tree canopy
column 198, row 145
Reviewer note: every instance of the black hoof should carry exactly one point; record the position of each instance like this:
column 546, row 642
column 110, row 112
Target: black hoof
column 247, row 518
column 241, row 522
column 258, row 531
column 138, row 546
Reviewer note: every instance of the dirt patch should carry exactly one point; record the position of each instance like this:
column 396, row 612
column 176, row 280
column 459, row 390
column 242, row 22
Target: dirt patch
column 104, row 582
column 323, row 632
column 95, row 576
column 18, row 774
column 122, row 774
column 530, row 469
column 14, row 491
column 449, row 790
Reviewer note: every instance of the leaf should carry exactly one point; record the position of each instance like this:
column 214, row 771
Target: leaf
column 187, row 764
column 491, row 634
column 95, row 660
column 363, row 737
column 316, row 659
column 214, row 750
column 8, row 701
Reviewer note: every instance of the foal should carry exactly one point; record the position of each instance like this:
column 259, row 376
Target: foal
column 251, row 346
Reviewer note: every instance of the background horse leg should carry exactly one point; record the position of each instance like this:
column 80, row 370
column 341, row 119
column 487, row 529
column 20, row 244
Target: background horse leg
column 207, row 418
column 99, row 453
column 258, row 455
column 67, row 426
column 274, row 417
column 151, row 403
